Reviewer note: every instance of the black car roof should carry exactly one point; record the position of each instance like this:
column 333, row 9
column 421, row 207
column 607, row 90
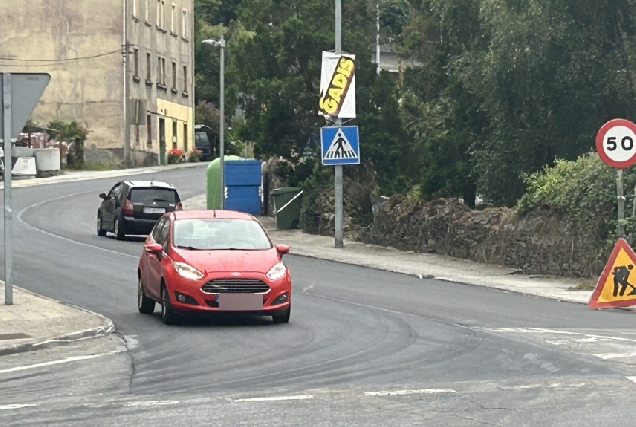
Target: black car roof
column 149, row 184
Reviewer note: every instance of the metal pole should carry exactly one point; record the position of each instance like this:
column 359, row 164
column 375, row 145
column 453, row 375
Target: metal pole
column 222, row 121
column 377, row 36
column 339, row 232
column 7, row 121
column 126, row 89
column 621, row 203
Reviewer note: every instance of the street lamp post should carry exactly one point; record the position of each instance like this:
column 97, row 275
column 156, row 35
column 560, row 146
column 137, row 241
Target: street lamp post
column 221, row 43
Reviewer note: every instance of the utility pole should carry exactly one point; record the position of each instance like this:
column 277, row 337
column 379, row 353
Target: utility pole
column 377, row 36
column 339, row 232
column 125, row 53
column 221, row 43
column 222, row 120
column 8, row 223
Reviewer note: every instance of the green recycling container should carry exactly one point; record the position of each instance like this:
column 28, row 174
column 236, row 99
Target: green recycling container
column 287, row 201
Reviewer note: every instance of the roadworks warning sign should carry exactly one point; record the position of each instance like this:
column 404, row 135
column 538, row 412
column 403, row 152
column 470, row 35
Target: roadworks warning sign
column 617, row 285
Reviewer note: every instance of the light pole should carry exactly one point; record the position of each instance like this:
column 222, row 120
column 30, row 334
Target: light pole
column 221, row 43
column 377, row 36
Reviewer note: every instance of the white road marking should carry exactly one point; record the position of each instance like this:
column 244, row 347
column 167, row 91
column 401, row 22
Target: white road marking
column 276, row 398
column 152, row 403
column 615, row 355
column 308, row 288
column 17, row 406
column 632, row 379
column 405, row 392
column 57, row 362
column 64, row 238
column 531, row 386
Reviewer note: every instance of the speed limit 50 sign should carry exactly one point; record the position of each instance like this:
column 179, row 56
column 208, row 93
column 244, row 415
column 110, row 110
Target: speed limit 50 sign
column 616, row 143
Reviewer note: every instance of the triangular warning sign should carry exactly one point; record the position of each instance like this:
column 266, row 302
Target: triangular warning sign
column 617, row 285
column 340, row 148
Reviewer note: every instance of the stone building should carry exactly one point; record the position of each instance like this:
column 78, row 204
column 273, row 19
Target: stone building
column 80, row 43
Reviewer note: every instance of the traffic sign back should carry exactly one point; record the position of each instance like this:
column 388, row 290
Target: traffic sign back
column 616, row 143
column 617, row 285
column 26, row 90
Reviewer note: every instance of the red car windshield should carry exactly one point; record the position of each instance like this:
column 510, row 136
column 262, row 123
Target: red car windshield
column 219, row 234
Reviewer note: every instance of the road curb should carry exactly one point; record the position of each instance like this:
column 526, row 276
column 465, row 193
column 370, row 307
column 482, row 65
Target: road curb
column 106, row 327
column 76, row 176
column 458, row 280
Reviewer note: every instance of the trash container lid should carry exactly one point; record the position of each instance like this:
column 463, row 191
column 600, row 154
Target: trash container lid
column 284, row 190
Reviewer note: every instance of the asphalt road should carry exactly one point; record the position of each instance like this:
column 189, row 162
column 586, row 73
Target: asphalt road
column 364, row 347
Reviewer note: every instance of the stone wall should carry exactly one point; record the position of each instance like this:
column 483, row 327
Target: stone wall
column 534, row 244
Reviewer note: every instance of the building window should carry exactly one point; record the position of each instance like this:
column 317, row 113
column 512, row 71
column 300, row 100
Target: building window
column 136, row 62
column 147, row 11
column 161, row 71
column 173, row 19
column 184, row 24
column 174, row 75
column 134, row 8
column 161, row 13
column 185, row 79
column 148, row 73
column 174, row 134
column 149, row 131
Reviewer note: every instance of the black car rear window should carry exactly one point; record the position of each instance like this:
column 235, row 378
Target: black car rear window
column 149, row 195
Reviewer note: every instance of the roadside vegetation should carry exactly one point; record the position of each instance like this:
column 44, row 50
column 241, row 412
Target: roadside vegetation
column 503, row 100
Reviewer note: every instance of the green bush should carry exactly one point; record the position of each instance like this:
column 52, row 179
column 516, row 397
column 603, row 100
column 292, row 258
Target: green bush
column 316, row 188
column 195, row 156
column 174, row 158
column 583, row 194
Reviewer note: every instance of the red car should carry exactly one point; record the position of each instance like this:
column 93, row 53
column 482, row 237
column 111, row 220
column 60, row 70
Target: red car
column 213, row 261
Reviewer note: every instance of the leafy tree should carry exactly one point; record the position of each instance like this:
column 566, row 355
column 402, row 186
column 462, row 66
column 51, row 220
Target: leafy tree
column 551, row 73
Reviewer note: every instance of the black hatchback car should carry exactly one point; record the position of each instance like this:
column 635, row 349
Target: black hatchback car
column 134, row 207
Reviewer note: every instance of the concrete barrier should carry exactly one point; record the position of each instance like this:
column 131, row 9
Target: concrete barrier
column 47, row 159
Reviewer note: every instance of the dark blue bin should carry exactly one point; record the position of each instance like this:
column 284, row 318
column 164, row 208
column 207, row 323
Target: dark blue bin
column 243, row 180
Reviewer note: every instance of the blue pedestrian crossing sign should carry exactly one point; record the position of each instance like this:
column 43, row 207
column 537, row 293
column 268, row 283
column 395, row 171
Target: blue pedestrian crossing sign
column 340, row 145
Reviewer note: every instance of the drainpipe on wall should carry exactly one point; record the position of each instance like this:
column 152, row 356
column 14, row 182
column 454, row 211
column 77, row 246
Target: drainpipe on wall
column 125, row 53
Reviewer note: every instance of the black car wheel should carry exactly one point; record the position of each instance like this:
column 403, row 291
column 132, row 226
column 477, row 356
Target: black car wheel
column 168, row 315
column 284, row 317
column 120, row 232
column 100, row 231
column 146, row 305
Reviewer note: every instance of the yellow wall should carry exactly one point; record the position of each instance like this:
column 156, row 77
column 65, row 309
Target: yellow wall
column 169, row 111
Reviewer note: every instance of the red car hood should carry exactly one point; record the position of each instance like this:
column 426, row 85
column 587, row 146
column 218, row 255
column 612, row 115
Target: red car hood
column 229, row 261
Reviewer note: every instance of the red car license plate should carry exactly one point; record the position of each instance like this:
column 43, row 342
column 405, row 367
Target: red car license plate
column 240, row 302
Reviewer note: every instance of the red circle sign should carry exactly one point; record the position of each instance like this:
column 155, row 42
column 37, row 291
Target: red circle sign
column 616, row 143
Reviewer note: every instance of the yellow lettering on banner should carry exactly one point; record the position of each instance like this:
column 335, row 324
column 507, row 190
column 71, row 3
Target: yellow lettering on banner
column 332, row 101
column 336, row 94
column 340, row 81
column 346, row 64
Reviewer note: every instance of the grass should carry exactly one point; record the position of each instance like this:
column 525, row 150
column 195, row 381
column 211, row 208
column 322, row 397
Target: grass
column 100, row 167
column 584, row 285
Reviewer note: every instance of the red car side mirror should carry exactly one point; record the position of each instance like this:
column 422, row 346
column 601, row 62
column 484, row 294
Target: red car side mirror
column 282, row 249
column 153, row 248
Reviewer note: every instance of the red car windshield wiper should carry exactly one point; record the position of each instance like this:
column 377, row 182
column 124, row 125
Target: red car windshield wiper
column 191, row 248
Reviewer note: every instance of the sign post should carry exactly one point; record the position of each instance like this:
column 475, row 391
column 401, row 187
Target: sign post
column 20, row 94
column 337, row 102
column 616, row 146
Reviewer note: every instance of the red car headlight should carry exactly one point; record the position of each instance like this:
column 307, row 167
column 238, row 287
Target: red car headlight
column 187, row 271
column 277, row 271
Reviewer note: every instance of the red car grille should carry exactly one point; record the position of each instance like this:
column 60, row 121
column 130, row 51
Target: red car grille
column 235, row 286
